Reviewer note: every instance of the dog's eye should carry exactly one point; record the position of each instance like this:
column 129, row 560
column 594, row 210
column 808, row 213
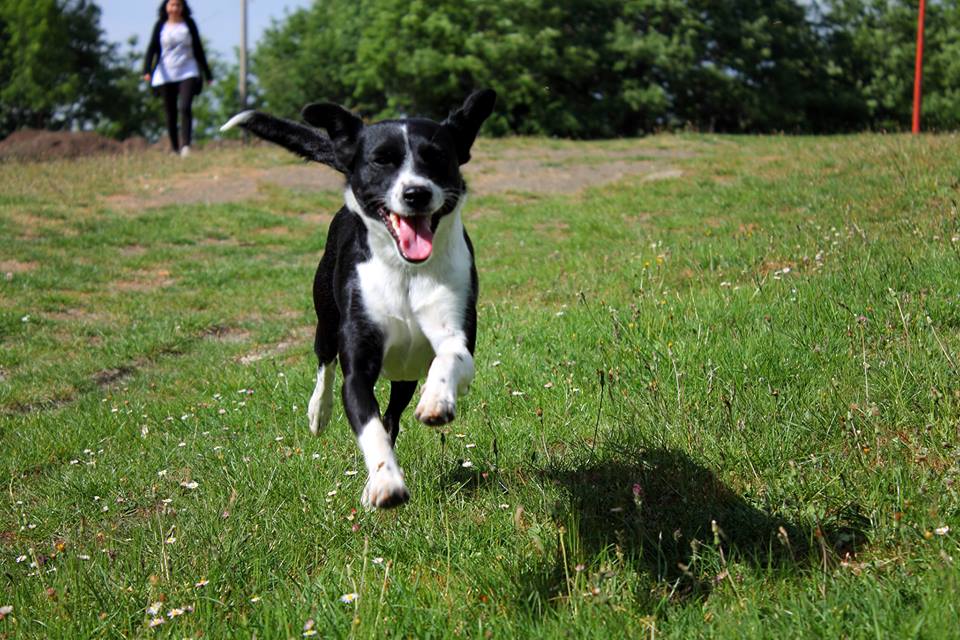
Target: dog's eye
column 387, row 158
column 433, row 155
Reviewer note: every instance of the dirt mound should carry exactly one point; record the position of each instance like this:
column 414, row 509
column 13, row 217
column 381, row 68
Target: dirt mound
column 33, row 144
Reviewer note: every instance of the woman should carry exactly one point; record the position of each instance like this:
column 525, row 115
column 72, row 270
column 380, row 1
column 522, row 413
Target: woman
column 174, row 61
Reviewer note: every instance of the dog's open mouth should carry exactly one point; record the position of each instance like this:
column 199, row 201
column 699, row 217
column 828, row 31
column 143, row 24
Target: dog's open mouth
column 413, row 234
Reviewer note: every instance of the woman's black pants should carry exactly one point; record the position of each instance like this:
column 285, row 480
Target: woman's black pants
column 182, row 93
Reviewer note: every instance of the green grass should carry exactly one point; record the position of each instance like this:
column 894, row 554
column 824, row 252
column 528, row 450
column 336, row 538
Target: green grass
column 720, row 405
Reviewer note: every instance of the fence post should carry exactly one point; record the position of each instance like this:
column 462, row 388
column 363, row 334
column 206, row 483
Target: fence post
column 918, row 71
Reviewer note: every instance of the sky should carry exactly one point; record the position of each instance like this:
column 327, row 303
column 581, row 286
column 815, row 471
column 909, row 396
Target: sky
column 218, row 21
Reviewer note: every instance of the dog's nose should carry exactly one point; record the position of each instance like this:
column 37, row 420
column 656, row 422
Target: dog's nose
column 417, row 197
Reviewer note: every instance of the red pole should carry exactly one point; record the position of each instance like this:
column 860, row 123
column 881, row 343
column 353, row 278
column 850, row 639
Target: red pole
column 918, row 71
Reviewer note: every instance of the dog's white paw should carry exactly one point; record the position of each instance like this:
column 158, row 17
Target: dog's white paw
column 385, row 489
column 436, row 407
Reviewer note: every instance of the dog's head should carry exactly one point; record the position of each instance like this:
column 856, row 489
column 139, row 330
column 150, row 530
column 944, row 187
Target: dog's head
column 404, row 174
column 401, row 174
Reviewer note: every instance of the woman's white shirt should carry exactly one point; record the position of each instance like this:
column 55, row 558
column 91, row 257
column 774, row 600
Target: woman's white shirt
column 176, row 55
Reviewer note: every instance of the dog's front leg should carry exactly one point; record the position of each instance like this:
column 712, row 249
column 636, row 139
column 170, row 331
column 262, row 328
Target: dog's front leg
column 450, row 376
column 385, row 487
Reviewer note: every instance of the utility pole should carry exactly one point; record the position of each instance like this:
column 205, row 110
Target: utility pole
column 243, row 60
column 918, row 71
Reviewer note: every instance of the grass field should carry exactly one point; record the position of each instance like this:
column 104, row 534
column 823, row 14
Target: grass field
column 718, row 397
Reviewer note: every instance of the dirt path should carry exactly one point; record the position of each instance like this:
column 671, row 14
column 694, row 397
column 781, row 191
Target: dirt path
column 495, row 169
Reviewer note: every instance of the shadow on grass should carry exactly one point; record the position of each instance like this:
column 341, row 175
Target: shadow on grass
column 655, row 510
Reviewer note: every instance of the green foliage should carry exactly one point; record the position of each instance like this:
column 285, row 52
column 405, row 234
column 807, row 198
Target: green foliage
column 872, row 47
column 580, row 69
column 54, row 65
column 611, row 68
column 57, row 71
column 133, row 109
column 309, row 56
column 221, row 100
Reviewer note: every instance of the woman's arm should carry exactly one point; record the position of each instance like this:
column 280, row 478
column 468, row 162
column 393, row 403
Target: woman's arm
column 153, row 50
column 198, row 50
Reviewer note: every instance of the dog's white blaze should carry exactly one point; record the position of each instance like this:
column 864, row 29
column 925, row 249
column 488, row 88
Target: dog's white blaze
column 320, row 407
column 407, row 177
column 384, row 476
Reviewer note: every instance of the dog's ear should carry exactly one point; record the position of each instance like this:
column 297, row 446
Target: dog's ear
column 465, row 122
column 302, row 140
column 342, row 126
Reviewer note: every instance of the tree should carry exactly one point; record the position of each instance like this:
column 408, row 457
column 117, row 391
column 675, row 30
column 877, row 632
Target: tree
column 546, row 60
column 388, row 57
column 219, row 103
column 311, row 56
column 581, row 68
column 941, row 102
column 872, row 43
column 131, row 108
column 57, row 71
column 54, row 64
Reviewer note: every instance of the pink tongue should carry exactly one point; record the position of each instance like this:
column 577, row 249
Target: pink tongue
column 416, row 238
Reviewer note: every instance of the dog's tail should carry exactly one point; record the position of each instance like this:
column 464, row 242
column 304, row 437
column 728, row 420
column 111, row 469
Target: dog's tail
column 305, row 141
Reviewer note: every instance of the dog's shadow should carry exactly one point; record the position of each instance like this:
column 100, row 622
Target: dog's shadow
column 657, row 509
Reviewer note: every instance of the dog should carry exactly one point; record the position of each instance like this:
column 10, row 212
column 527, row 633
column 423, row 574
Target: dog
column 396, row 289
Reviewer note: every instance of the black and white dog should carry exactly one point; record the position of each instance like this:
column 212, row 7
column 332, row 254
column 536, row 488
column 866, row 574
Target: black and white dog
column 396, row 288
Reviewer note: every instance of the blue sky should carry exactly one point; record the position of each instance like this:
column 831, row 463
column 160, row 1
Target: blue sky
column 218, row 20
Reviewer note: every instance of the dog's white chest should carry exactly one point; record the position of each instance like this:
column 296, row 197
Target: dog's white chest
column 408, row 305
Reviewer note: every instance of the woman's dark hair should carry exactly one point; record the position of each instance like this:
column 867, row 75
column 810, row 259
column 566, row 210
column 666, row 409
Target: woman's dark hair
column 163, row 10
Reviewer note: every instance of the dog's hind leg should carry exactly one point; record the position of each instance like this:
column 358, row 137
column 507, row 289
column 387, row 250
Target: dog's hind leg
column 401, row 391
column 320, row 407
column 325, row 345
